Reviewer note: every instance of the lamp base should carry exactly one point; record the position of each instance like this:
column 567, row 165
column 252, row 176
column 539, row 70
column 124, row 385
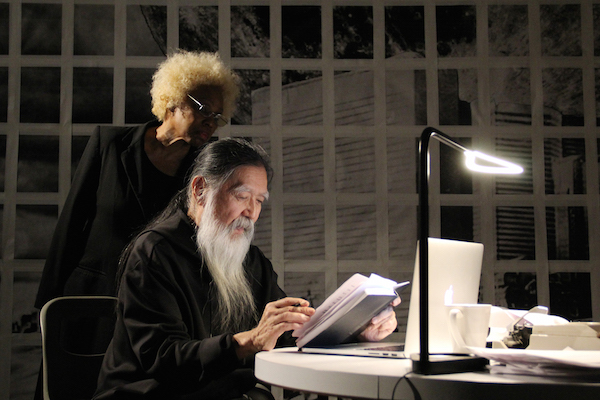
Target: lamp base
column 448, row 364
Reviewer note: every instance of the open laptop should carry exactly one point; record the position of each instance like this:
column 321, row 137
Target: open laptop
column 454, row 274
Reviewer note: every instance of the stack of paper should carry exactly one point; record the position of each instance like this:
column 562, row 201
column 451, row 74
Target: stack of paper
column 542, row 362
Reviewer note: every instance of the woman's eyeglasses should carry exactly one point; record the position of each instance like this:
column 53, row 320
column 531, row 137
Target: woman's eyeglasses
column 219, row 119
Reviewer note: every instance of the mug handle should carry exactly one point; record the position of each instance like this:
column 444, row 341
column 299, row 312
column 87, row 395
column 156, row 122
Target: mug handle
column 454, row 328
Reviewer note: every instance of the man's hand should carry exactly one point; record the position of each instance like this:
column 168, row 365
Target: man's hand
column 382, row 325
column 278, row 317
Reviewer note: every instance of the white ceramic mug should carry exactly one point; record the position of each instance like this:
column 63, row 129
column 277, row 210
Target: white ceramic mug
column 469, row 324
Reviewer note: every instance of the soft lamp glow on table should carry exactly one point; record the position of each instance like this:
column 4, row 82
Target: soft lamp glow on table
column 424, row 364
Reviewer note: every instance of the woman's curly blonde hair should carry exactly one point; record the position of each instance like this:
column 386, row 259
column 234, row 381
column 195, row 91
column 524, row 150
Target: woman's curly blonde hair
column 183, row 72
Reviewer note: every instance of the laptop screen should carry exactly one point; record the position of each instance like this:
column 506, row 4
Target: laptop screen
column 454, row 274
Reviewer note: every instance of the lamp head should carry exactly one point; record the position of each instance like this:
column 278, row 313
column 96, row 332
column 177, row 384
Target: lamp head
column 499, row 166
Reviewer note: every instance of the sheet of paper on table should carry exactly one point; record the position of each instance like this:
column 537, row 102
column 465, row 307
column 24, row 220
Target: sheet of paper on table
column 543, row 362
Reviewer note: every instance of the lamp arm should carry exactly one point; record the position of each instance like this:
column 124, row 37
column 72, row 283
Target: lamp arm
column 423, row 365
column 423, row 234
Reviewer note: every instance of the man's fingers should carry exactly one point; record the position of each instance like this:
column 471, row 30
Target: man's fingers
column 290, row 301
column 308, row 311
column 383, row 315
column 289, row 305
column 293, row 316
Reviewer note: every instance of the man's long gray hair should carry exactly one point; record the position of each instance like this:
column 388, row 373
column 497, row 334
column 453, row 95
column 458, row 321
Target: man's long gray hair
column 216, row 163
column 219, row 159
column 221, row 256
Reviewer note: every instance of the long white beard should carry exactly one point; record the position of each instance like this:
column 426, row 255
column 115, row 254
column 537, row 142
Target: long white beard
column 224, row 255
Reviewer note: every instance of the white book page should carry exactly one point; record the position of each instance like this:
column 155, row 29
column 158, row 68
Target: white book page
column 348, row 293
column 330, row 319
column 345, row 290
column 374, row 281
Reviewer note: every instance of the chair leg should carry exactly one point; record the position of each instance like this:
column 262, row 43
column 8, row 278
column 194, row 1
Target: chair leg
column 258, row 393
column 277, row 393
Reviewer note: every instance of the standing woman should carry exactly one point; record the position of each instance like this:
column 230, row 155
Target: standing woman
column 128, row 174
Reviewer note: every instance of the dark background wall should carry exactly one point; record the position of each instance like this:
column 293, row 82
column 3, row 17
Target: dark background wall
column 338, row 94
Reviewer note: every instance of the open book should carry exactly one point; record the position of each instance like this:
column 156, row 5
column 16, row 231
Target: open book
column 347, row 312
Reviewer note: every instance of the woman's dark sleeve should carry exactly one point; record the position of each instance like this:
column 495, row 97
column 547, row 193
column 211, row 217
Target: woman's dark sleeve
column 70, row 234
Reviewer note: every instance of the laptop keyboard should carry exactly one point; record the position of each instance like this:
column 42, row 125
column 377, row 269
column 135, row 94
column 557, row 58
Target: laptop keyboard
column 387, row 348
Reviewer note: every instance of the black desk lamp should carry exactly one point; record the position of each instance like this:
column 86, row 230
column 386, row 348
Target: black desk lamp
column 443, row 364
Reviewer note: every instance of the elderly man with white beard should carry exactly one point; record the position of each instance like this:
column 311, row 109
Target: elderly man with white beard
column 197, row 301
